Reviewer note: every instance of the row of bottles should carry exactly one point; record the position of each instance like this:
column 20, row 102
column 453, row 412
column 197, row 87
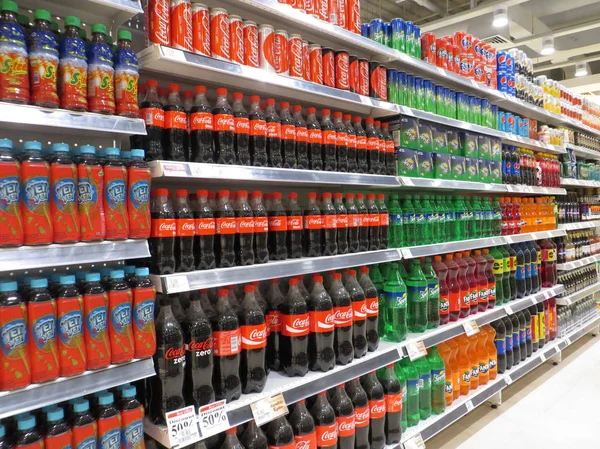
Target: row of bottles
column 576, row 245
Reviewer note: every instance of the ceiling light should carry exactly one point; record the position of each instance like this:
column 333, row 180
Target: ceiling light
column 581, row 69
column 547, row 45
column 500, row 16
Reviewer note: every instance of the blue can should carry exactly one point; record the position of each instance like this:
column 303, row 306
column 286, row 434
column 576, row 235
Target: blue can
column 525, row 123
column 518, row 125
column 512, row 85
column 387, row 34
column 402, row 88
column 501, row 121
column 398, row 34
column 409, row 30
column 494, row 114
column 509, row 126
column 503, row 81
column 411, row 95
column 376, row 31
column 392, row 85
column 451, row 104
column 364, row 30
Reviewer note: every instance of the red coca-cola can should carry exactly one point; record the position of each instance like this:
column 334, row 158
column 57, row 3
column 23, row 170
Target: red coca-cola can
column 219, row 34
column 295, row 56
column 251, row 54
column 306, row 60
column 374, row 84
column 200, row 29
column 428, row 48
column 383, row 91
column 321, row 9
column 328, row 67
column 181, row 25
column 158, row 24
column 342, row 14
column 353, row 73
column 298, row 4
column 265, row 47
column 281, row 57
column 363, row 77
column 342, row 69
column 333, row 12
column 236, row 39
column 316, row 63
column 353, row 16
column 310, row 7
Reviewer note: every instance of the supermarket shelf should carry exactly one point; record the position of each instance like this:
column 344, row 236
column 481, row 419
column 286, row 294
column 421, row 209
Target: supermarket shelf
column 534, row 190
column 30, row 257
column 579, row 225
column 36, row 119
column 568, row 182
column 577, row 263
column 576, row 334
column 570, row 299
column 518, row 238
column 64, row 388
column 447, row 184
column 586, row 153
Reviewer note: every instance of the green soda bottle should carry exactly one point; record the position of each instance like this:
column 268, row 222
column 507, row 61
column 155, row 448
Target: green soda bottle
column 430, row 228
column 469, row 218
column 461, row 219
column 438, row 381
column 402, row 378
column 498, row 274
column 395, row 305
column 506, row 285
column 424, row 370
column 450, row 219
column 378, row 281
column 497, row 217
column 486, row 230
column 411, row 374
column 384, row 268
column 416, row 285
column 395, row 229
column 441, row 209
column 477, row 218
column 421, row 224
column 409, row 222
column 433, row 291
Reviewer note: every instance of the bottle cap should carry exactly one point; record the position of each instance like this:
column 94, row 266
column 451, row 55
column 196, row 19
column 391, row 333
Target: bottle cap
column 9, row 5
column 325, row 111
column 128, row 392
column 142, row 271
column 277, row 195
column 327, row 195
column 222, row 292
column 11, row 286
column 364, row 269
column 237, row 96
column 284, row 105
column 292, row 195
column 337, row 114
column 55, row 414
column 152, row 83
column 2, row 431
column 369, row 120
column 99, row 28
column 223, row 193
column 117, row 274
column 312, row 195
column 72, row 21
column 242, row 194
column 296, row 108
column 254, row 99
column 87, row 149
column 161, row 192
column 124, row 34
column 181, row 193
column 311, row 110
column 32, row 145
column 92, row 277
column 138, row 153
column 26, row 422
column 270, row 102
column 173, row 87
column 221, row 91
column 293, row 281
column 81, row 406
column 112, row 151
column 106, row 399
column 67, row 280
column 6, row 143
column 249, row 289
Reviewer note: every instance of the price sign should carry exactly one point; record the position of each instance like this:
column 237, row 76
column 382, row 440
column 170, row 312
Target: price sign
column 176, row 284
column 174, row 169
column 533, row 301
column 508, row 309
column 415, row 442
column 469, row 405
column 213, row 418
column 508, row 380
column 182, row 427
column 407, row 181
column 416, row 350
column 543, row 357
column 471, row 327
column 269, row 408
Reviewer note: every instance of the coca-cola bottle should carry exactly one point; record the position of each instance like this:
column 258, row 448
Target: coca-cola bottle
column 313, row 223
column 342, row 309
column 381, row 146
column 372, row 147
column 301, row 138
column 341, row 223
column 288, row 136
column 258, row 133
column 393, row 403
column 253, row 437
column 295, row 327
column 372, row 302
column 151, row 110
column 361, row 146
column 329, row 226
column 204, row 247
column 226, row 228
column 169, row 364
column 261, row 228
column 374, row 223
column 254, row 343
column 280, row 434
column 359, row 314
column 231, row 440
column 384, row 221
column 244, row 248
column 353, row 223
column 315, row 154
column 273, row 134
column 328, row 141
column 275, row 300
column 175, row 134
column 294, row 227
column 277, row 229
column 344, row 413
column 162, row 241
column 201, row 129
column 185, row 234
column 376, row 397
column 341, row 149
column 364, row 223
column 350, row 144
column 360, row 402
column 188, row 101
column 321, row 356
column 227, row 347
column 223, row 129
column 303, row 425
column 325, row 422
column 197, row 387
column 390, row 150
column 241, row 123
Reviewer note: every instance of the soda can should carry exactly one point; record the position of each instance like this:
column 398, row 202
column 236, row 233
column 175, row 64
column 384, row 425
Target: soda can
column 376, row 31
column 429, row 96
column 512, row 85
column 419, row 94
column 251, row 53
column 464, row 42
column 502, row 121
column 353, row 73
column 219, row 34
column 479, row 72
column 363, row 77
column 398, row 34
column 387, row 34
column 525, row 130
column 428, row 48
column 353, row 17
column 306, row 60
column 475, row 104
column 467, row 66
column 486, row 113
column 450, row 52
column 450, row 102
column 409, row 37
column 266, row 37
column 280, row 52
column 462, row 106
column 236, row 38
column 365, row 30
column 478, row 49
column 333, row 12
column 158, row 22
column 342, row 69
column 440, row 102
column 533, row 128
column 511, row 123
column 416, row 42
column 401, row 77
column 374, row 84
column 321, row 9
column 411, row 95
column 441, row 57
column 342, row 14
column 298, row 4
column 316, row 63
column 328, row 67
column 181, row 25
column 502, row 61
column 383, row 87
column 494, row 116
column 295, row 56
column 310, row 8
column 392, row 83
column 200, row 29
column 502, row 78
column 457, row 58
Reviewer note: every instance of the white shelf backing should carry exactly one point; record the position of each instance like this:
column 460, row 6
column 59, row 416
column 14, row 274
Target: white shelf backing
column 574, row 297
column 37, row 396
column 579, row 225
column 577, row 263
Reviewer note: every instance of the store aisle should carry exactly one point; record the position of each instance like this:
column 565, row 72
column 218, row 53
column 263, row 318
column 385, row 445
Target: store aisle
column 553, row 407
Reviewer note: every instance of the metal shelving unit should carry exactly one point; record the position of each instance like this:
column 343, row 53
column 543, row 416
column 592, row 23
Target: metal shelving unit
column 579, row 225
column 574, row 297
column 577, row 263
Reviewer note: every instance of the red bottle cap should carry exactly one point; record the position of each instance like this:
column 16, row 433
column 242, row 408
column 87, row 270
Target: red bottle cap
column 200, row 89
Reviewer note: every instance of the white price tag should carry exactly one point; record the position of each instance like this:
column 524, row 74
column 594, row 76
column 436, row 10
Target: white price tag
column 416, row 350
column 471, row 327
column 568, row 341
column 182, row 427
column 415, row 442
column 267, row 409
column 508, row 380
column 213, row 418
column 174, row 169
column 469, row 405
column 533, row 300
column 176, row 284
column 508, row 309
column 407, row 181
column 543, row 357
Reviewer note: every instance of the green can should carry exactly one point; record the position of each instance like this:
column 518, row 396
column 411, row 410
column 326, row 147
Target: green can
column 429, row 94
column 420, row 94
column 440, row 102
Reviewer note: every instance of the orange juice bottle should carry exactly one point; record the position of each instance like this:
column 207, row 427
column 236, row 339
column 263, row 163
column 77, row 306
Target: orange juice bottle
column 472, row 353
column 446, row 354
column 482, row 355
column 491, row 350
column 456, row 372
column 464, row 361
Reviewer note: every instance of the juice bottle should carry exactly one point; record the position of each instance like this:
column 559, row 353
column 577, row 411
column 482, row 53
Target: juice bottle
column 422, row 366
column 438, row 381
column 491, row 350
column 41, row 317
column 446, row 353
column 465, row 288
column 115, row 196
column 14, row 357
column 474, row 358
column 482, row 355
column 433, row 293
column 395, row 305
column 73, row 67
column 43, row 61
column 71, row 348
column 465, row 365
column 28, row 436
column 126, row 77
column 120, row 329
column 95, row 312
column 441, row 273
column 132, row 420
column 90, row 195
column 58, row 432
column 101, row 73
column 473, row 282
column 63, row 197
column 418, row 296
column 11, row 225
column 35, row 200
column 411, row 373
column 138, row 195
column 144, row 297
column 454, row 292
column 108, row 420
column 457, row 374
column 83, row 425
column 14, row 76
column 482, row 280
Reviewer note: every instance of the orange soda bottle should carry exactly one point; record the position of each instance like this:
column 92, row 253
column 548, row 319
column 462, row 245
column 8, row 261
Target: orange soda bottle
column 464, row 362
column 474, row 359
column 491, row 350
column 446, row 354
column 456, row 372
column 482, row 355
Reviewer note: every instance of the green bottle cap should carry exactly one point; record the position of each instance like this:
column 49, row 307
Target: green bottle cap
column 72, row 21
column 99, row 28
column 124, row 34
column 42, row 14
column 9, row 5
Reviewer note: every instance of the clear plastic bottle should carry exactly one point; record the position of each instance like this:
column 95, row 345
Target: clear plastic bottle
column 73, row 67
column 43, row 61
column 101, row 73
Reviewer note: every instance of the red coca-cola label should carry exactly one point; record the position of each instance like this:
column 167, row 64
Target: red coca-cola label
column 205, row 226
column 389, row 146
column 341, row 139
column 345, row 426
column 226, row 225
column 361, row 416
column 351, row 140
column 286, row 446
column 245, row 225
column 241, row 125
column 288, row 132
column 361, row 142
column 261, row 224
column 374, row 220
column 294, row 223
column 174, row 353
column 343, row 316
column 223, row 122
column 274, row 321
column 377, row 408
column 254, row 336
column 322, row 321
column 393, row 402
column 308, row 441
column 353, row 220
column 278, row 223
column 329, row 221
column 364, row 220
column 274, row 130
column 372, row 306
column 313, row 222
column 301, row 135
column 258, row 128
column 153, row 117
column 227, row 342
column 384, row 220
column 327, row 435
column 314, row 135
column 359, row 310
column 163, row 227
column 342, row 221
column 295, row 325
column 175, row 119
column 200, row 121
column 372, row 143
column 186, row 227
column 328, row 137
column 200, row 346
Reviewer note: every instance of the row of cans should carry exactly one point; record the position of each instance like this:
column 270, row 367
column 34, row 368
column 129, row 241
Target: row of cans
column 517, row 125
column 343, row 13
column 399, row 34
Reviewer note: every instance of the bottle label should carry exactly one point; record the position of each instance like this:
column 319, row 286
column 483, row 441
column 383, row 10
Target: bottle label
column 126, row 91
column 343, row 316
column 254, row 336
column 372, row 305
column 241, row 125
column 308, row 441
column 11, row 228
column 328, row 137
column 261, row 224
column 60, row 441
column 509, row 342
column 286, row 446
column 345, row 426
column 101, row 88
column 541, row 326
column 492, row 364
column 361, row 416
column 454, row 299
column 466, row 377
column 143, row 317
column 500, row 345
column 71, row 348
column 109, row 432
column 483, row 368
column 258, row 128
column 132, row 423
column 278, row 223
column 223, row 122
column 138, row 205
column 227, row 342
column 341, row 139
column 364, row 220
column 175, row 120
column 295, row 325
column 534, row 329
column 288, row 132
column 374, row 220
column 117, row 223
column 353, row 220
column 327, row 435
column 226, row 225
column 96, row 330
column 491, row 292
column 395, row 300
column 384, row 220
column 201, row 121
column 520, row 272
column 245, row 225
column 372, row 143
column 301, row 135
column 351, row 141
column 359, row 310
column 15, row 372
column 163, row 227
column 185, row 227
column 43, row 348
column 361, row 142
column 119, row 327
column 438, row 377
column 35, row 203
column 513, row 263
column 44, row 68
column 448, row 390
column 329, row 221
column 314, row 136
column 528, row 332
column 74, row 86
column 393, row 402
column 322, row 321
column 444, row 305
column 475, row 372
column 506, row 264
column 312, row 222
column 377, row 408
column 84, row 437
column 153, row 117
column 273, row 130
column 205, row 226
column 483, row 295
column 522, row 335
column 418, row 293
column 294, row 223
column 274, row 321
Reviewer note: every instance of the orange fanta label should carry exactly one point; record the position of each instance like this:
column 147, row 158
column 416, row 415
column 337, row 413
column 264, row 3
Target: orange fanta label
column 43, row 348
column 14, row 360
column 70, row 336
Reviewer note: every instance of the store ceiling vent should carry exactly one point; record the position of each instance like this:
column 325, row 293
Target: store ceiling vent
column 496, row 39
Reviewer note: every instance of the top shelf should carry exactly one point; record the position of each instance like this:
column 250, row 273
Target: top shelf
column 585, row 153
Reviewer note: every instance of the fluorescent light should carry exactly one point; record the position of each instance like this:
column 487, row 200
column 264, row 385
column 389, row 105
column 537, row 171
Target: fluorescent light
column 547, row 45
column 500, row 16
column 581, row 69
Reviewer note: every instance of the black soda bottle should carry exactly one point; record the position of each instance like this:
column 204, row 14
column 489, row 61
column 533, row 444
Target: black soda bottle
column 342, row 307
column 261, row 228
column 341, row 223
column 258, row 133
column 151, row 110
column 393, row 403
column 175, row 134
column 185, row 233
column 294, row 227
column 314, row 140
column 374, row 230
column 361, row 146
column 329, row 226
column 204, row 245
column 328, row 141
column 341, row 148
column 360, row 402
column 288, row 136
column 353, row 224
column 381, row 146
column 390, row 150
column 226, row 229
column 223, row 129
column 273, row 134
column 301, row 138
column 254, row 343
column 295, row 327
column 312, row 227
column 27, row 433
column 372, row 147
column 164, row 228
column 277, row 229
column 201, row 129
column 372, row 307
column 244, row 238
column 321, row 356
column 350, row 144
column 364, row 223
column 241, row 123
